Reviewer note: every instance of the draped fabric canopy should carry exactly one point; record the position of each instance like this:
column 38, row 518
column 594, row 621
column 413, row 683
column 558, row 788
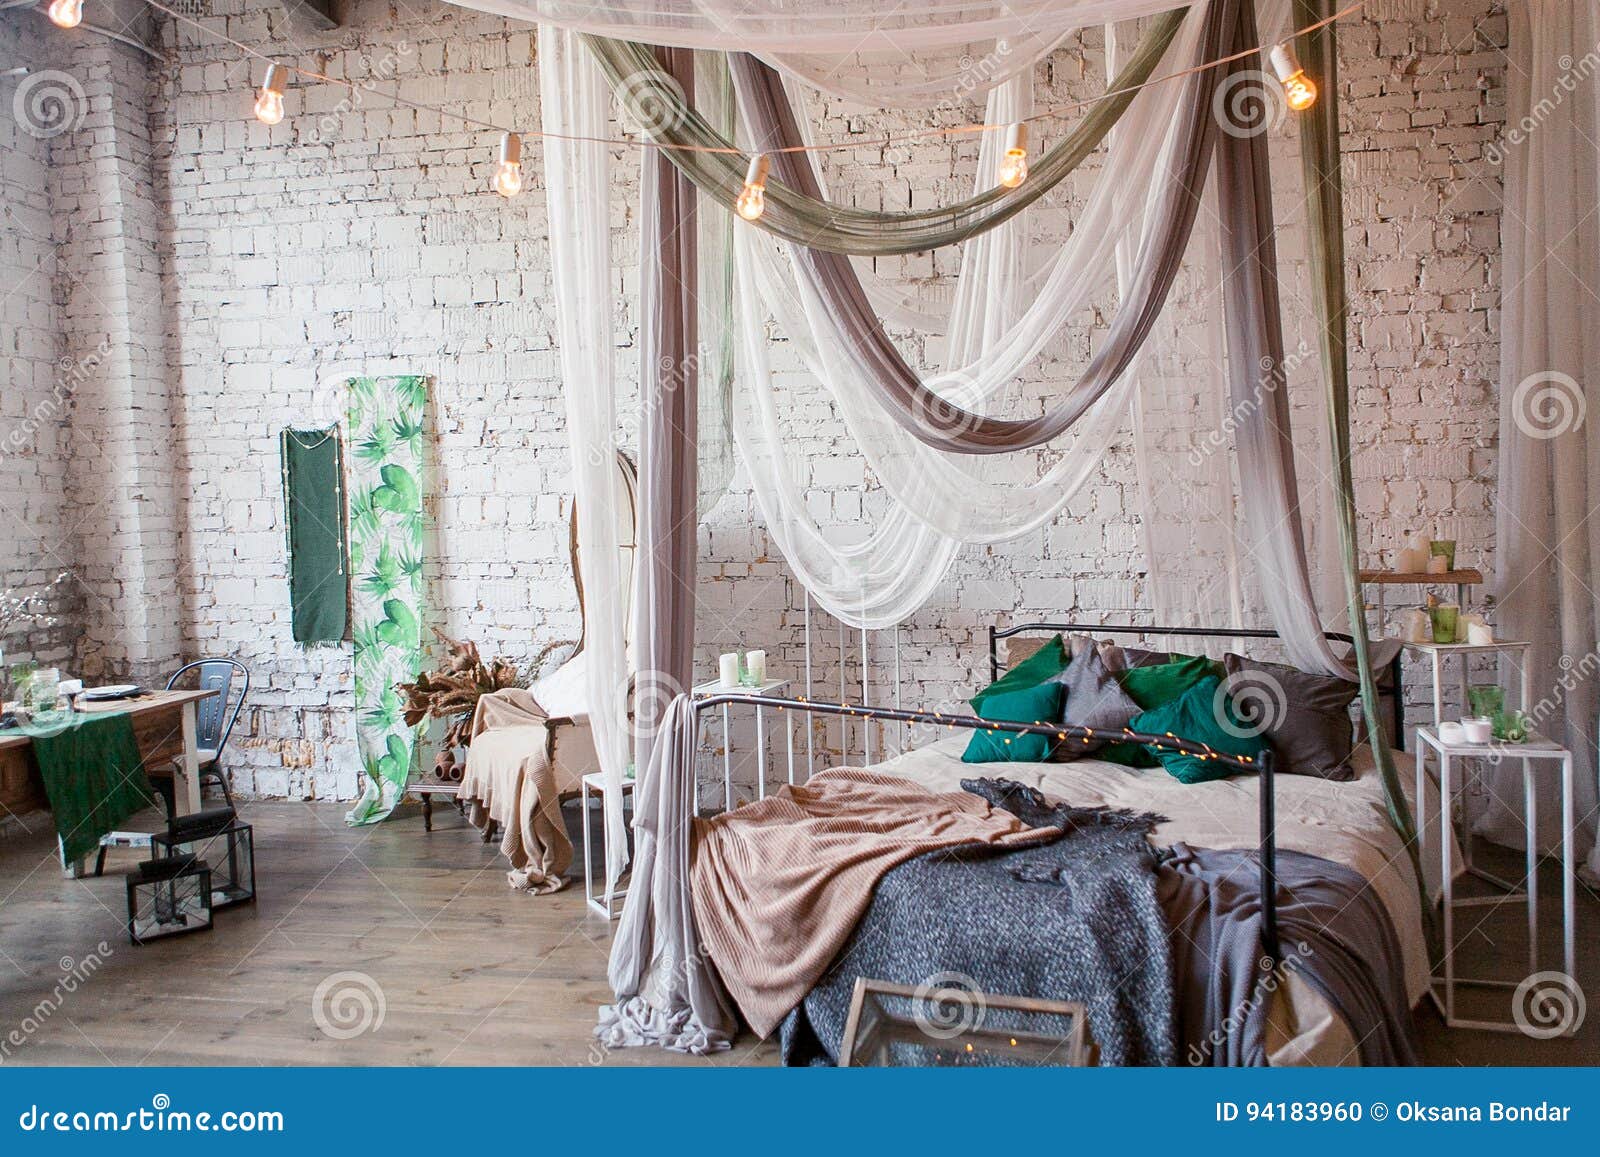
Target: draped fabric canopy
column 796, row 209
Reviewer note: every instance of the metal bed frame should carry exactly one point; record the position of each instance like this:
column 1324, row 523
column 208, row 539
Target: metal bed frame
column 1262, row 765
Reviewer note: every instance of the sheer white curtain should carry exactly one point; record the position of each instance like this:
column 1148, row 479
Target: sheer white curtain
column 1548, row 536
column 1004, row 317
column 576, row 101
column 915, row 55
column 1198, row 565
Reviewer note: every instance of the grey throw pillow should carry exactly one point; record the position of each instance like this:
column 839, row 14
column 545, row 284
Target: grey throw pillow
column 1304, row 718
column 1094, row 699
column 1115, row 656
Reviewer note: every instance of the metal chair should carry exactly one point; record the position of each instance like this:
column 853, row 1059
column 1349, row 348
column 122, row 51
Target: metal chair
column 213, row 723
column 214, row 717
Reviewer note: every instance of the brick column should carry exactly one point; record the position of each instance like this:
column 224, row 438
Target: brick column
column 124, row 466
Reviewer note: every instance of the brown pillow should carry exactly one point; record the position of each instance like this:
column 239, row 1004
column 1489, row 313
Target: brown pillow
column 1304, row 718
column 1019, row 648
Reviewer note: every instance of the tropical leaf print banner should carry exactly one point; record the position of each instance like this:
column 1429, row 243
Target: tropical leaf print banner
column 386, row 553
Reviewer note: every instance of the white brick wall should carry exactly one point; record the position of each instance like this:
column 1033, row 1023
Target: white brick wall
column 37, row 377
column 358, row 237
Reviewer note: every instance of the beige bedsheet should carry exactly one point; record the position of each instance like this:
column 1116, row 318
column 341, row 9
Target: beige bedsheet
column 1342, row 822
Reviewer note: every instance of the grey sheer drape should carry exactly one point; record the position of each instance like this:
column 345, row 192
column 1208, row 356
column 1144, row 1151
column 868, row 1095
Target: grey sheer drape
column 666, row 990
column 932, row 419
column 1547, row 537
column 800, row 213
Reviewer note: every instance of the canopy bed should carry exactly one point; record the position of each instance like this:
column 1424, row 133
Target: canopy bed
column 1155, row 207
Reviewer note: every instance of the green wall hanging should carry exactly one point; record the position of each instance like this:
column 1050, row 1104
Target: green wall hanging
column 387, row 532
column 313, row 499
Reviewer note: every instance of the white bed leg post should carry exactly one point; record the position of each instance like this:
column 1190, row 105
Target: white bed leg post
column 1569, row 877
column 588, row 860
column 843, row 652
column 761, row 754
column 727, row 762
column 866, row 698
column 905, row 729
column 1530, row 803
column 1447, row 864
column 811, row 739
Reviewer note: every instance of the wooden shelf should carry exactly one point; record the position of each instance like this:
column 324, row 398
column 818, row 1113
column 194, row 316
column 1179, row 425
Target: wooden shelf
column 1468, row 576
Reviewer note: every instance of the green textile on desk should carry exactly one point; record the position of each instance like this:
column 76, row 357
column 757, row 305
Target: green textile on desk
column 313, row 496
column 94, row 778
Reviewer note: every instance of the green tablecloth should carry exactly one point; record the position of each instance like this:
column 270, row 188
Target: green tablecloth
column 93, row 775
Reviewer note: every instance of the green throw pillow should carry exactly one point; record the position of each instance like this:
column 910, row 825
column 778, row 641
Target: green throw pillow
column 1152, row 686
column 1041, row 704
column 1202, row 714
column 1045, row 663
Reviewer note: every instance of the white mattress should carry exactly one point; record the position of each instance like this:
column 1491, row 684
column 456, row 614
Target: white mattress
column 1342, row 822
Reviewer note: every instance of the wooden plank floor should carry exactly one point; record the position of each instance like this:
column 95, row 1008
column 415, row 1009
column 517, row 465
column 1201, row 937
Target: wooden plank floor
column 469, row 971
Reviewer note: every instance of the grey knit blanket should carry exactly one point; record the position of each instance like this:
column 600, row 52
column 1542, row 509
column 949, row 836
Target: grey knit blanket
column 1077, row 918
column 1162, row 946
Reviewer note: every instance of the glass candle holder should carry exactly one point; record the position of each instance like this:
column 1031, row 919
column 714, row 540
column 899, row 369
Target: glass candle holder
column 1486, row 699
column 1444, row 548
column 1444, row 622
column 1510, row 726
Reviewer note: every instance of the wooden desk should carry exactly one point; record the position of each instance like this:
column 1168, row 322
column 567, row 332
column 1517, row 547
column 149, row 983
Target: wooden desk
column 163, row 727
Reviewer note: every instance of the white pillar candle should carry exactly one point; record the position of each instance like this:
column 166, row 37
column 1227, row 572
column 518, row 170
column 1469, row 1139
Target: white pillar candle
column 1479, row 635
column 1438, row 564
column 756, row 662
column 1409, row 560
column 728, row 670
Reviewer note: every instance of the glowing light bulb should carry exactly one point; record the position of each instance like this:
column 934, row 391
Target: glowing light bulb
column 508, row 172
column 269, row 101
column 752, row 200
column 1014, row 163
column 66, row 13
column 1299, row 90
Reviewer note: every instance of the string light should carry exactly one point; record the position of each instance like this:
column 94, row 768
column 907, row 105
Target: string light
column 66, row 13
column 508, row 173
column 1051, row 113
column 1014, row 164
column 269, row 101
column 1299, row 91
column 752, row 200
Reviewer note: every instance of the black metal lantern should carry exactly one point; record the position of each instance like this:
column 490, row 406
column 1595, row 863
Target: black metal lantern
column 226, row 843
column 168, row 897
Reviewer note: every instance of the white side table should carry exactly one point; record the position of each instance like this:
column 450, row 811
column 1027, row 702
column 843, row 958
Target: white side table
column 769, row 688
column 1437, row 653
column 607, row 903
column 1535, row 751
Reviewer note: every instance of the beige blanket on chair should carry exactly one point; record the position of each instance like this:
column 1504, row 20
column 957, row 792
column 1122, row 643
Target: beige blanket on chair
column 779, row 885
column 511, row 780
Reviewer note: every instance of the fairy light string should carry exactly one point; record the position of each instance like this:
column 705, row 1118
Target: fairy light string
column 1299, row 92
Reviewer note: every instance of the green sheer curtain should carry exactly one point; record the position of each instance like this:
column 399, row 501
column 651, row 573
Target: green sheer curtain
column 640, row 84
column 1319, row 154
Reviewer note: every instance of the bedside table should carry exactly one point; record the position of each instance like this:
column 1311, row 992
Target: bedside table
column 1437, row 653
column 1536, row 750
column 771, row 687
